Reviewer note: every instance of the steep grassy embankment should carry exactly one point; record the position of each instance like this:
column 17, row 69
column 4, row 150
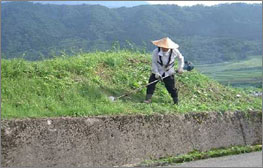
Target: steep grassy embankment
column 81, row 85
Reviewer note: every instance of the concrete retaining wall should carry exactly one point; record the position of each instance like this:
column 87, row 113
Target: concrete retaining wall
column 121, row 140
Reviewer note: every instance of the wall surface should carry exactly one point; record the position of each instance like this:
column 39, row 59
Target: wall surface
column 122, row 140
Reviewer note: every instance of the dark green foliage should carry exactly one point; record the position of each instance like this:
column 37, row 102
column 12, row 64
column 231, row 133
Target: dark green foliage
column 205, row 34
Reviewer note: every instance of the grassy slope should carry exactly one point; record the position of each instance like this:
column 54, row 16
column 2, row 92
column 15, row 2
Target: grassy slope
column 243, row 73
column 80, row 86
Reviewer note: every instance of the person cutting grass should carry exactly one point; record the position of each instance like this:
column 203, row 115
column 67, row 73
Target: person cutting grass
column 163, row 60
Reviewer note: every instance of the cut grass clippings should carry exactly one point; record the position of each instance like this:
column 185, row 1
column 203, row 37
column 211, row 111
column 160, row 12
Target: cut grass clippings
column 197, row 155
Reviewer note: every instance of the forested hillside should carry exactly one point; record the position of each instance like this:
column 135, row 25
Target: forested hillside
column 205, row 34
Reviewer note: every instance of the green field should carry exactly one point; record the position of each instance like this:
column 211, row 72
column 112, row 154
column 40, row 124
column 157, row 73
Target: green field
column 81, row 86
column 239, row 74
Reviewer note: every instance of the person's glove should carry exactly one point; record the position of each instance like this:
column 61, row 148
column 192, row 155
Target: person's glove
column 158, row 76
column 179, row 71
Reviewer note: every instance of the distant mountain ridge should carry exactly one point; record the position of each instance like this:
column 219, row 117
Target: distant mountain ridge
column 205, row 34
column 109, row 4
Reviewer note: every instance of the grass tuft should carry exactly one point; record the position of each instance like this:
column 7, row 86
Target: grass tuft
column 198, row 155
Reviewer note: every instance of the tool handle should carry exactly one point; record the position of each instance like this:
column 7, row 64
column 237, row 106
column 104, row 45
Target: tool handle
column 136, row 90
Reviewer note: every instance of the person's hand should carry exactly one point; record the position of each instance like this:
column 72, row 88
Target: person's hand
column 158, row 76
column 179, row 71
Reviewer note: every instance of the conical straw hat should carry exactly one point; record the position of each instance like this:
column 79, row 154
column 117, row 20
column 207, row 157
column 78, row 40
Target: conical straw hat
column 165, row 43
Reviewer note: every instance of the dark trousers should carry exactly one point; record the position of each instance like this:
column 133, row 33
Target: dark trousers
column 169, row 84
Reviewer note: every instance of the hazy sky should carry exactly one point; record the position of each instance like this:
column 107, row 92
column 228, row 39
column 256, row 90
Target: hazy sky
column 135, row 3
column 190, row 3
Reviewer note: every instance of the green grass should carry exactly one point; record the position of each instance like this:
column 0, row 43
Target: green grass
column 244, row 73
column 81, row 85
column 197, row 155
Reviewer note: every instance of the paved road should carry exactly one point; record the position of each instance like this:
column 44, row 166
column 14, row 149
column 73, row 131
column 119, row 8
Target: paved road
column 253, row 159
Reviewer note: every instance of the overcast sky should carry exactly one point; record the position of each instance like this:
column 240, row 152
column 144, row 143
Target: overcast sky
column 190, row 3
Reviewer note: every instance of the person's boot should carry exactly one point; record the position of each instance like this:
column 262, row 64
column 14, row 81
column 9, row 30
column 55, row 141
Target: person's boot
column 175, row 99
column 148, row 98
